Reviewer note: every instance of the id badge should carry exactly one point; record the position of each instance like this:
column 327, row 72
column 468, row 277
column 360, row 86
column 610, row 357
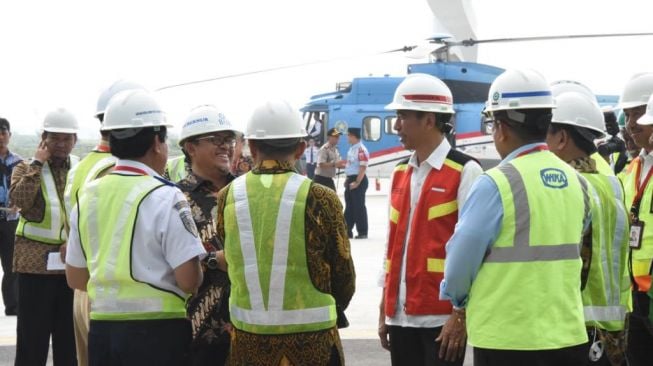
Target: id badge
column 636, row 232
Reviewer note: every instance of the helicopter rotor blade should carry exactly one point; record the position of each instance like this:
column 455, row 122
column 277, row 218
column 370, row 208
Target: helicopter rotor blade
column 472, row 42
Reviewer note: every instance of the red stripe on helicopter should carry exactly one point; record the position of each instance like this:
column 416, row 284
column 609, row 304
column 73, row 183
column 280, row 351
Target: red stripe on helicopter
column 428, row 98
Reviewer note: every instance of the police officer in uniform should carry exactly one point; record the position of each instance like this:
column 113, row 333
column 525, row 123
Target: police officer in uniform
column 328, row 160
column 134, row 246
column 356, row 185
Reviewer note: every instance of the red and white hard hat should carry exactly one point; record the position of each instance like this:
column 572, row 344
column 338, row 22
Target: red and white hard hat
column 422, row 92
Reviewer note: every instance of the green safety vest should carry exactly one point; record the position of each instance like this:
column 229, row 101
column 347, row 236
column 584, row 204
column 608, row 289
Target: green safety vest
column 176, row 168
column 52, row 228
column 87, row 170
column 526, row 295
column 602, row 166
column 606, row 296
column 265, row 246
column 108, row 209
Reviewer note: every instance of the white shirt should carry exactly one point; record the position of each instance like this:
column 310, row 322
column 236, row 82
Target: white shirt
column 161, row 241
column 471, row 171
column 311, row 154
column 647, row 164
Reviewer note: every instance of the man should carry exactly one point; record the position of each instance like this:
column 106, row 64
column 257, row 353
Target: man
column 133, row 245
column 207, row 140
column 286, row 249
column 639, row 192
column 513, row 262
column 356, row 185
column 310, row 154
column 315, row 131
column 605, row 281
column 328, row 160
column 97, row 163
column 8, row 221
column 45, row 302
column 427, row 190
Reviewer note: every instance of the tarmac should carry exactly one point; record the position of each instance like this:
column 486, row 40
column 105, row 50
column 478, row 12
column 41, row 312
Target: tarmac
column 360, row 340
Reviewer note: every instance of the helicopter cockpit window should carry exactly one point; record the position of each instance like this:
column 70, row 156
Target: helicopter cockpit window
column 371, row 128
column 389, row 125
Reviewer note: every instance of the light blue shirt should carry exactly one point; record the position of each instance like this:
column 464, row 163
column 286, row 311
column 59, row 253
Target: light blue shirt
column 357, row 156
column 9, row 162
column 477, row 229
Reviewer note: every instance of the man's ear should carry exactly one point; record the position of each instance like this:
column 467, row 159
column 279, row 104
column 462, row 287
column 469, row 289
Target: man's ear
column 300, row 149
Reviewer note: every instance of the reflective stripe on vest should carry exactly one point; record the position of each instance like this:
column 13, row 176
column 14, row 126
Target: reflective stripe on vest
column 606, row 296
column 521, row 251
column 527, row 293
column 642, row 258
column 177, row 168
column 269, row 315
column 108, row 209
column 52, row 228
column 87, row 170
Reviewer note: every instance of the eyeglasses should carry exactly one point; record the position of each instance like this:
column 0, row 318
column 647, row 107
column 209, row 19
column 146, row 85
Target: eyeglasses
column 217, row 140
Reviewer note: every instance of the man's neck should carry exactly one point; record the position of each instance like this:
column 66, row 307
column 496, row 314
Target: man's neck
column 425, row 150
column 218, row 179
column 4, row 152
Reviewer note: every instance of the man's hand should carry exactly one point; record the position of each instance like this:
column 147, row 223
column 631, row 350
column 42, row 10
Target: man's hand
column 341, row 164
column 383, row 328
column 42, row 153
column 453, row 338
column 353, row 185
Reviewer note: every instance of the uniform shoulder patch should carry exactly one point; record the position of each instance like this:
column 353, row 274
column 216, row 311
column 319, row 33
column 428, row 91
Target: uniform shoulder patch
column 186, row 216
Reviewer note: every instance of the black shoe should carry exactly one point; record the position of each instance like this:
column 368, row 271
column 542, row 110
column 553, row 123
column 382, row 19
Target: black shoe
column 361, row 236
column 11, row 312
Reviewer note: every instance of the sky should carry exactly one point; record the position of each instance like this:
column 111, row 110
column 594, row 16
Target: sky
column 64, row 53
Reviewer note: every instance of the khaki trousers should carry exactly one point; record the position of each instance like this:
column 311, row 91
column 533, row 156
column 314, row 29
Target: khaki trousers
column 81, row 311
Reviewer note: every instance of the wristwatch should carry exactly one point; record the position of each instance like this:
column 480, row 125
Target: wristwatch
column 212, row 261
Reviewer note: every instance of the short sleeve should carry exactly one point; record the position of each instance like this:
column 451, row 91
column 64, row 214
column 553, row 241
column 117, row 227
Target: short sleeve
column 74, row 254
column 181, row 241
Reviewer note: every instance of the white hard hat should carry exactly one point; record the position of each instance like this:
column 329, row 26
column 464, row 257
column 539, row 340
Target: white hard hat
column 115, row 88
column 276, row 119
column 60, row 121
column 647, row 119
column 133, row 109
column 637, row 91
column 565, row 86
column 204, row 119
column 422, row 92
column 575, row 109
column 519, row 89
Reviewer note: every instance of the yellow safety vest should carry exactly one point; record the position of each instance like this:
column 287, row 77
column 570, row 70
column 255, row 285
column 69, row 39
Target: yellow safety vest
column 52, row 228
column 108, row 209
column 271, row 289
column 527, row 295
column 176, row 168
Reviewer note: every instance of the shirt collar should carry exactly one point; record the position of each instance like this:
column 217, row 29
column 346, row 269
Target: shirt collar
column 520, row 150
column 644, row 155
column 273, row 167
column 198, row 182
column 437, row 157
column 137, row 165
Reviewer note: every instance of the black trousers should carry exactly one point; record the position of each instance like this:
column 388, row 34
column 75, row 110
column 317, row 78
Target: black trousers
column 310, row 170
column 640, row 337
column 355, row 210
column 209, row 354
column 45, row 308
column 569, row 356
column 325, row 181
column 9, row 278
column 139, row 343
column 417, row 347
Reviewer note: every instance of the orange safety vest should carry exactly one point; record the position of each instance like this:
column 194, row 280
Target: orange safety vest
column 434, row 219
column 641, row 260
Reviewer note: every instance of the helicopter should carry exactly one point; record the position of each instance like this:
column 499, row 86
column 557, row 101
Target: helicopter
column 451, row 53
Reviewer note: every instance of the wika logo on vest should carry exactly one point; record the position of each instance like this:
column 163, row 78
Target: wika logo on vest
column 554, row 178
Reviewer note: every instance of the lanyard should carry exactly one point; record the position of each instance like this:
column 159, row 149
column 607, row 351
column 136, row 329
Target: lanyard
column 131, row 169
column 539, row 147
column 641, row 187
